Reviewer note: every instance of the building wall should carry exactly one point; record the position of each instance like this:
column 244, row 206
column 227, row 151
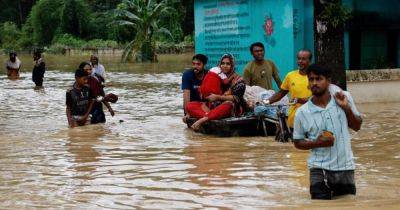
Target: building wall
column 223, row 26
column 375, row 91
column 381, row 20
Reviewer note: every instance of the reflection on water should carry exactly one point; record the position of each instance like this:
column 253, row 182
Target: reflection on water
column 151, row 160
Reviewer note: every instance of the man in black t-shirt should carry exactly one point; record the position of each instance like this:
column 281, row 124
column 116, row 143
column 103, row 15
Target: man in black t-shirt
column 79, row 101
column 38, row 69
column 192, row 78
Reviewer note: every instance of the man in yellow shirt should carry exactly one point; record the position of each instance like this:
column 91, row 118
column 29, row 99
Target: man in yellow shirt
column 296, row 84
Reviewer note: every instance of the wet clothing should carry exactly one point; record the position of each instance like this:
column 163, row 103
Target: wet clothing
column 220, row 109
column 195, row 110
column 190, row 82
column 212, row 83
column 99, row 70
column 97, row 113
column 261, row 75
column 95, row 86
column 331, row 168
column 326, row 184
column 38, row 72
column 78, row 100
column 96, row 89
column 297, row 85
column 311, row 120
column 13, row 68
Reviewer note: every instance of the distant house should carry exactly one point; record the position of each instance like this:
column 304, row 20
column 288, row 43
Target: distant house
column 371, row 39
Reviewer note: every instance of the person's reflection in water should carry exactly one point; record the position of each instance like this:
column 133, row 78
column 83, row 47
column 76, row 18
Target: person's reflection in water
column 82, row 143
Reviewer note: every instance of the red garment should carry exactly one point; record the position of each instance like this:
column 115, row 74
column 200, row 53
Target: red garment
column 211, row 85
column 95, row 86
column 195, row 110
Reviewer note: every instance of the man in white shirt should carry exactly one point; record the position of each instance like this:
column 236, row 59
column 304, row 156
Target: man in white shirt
column 98, row 69
column 13, row 65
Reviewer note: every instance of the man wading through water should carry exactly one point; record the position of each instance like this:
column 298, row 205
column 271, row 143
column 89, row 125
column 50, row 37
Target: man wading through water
column 79, row 101
column 38, row 69
column 322, row 126
column 13, row 66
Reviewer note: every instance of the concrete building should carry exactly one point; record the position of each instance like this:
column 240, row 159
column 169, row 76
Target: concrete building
column 372, row 38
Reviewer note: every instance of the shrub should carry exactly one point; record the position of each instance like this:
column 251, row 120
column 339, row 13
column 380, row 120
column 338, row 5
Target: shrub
column 9, row 36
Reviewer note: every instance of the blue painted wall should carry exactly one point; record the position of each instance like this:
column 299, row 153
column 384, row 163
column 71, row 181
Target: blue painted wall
column 223, row 26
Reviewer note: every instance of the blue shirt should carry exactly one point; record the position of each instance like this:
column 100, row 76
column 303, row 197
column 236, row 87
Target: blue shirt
column 190, row 82
column 311, row 120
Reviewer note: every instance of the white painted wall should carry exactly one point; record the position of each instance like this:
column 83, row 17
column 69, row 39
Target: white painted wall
column 375, row 91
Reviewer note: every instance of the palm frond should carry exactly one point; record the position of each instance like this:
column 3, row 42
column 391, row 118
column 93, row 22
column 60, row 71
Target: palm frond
column 123, row 23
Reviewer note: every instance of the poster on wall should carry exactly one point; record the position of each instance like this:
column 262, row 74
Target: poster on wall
column 223, row 26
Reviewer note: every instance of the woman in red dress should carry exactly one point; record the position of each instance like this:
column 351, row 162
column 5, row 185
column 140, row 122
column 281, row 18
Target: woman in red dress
column 229, row 103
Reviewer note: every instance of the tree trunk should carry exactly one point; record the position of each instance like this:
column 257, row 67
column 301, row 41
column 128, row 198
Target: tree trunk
column 329, row 44
column 147, row 52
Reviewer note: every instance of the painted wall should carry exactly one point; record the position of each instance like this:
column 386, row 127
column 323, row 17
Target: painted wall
column 374, row 42
column 283, row 26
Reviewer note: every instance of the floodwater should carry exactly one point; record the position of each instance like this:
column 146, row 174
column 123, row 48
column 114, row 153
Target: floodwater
column 151, row 160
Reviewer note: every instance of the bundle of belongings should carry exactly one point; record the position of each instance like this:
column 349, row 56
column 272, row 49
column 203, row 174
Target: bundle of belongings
column 256, row 97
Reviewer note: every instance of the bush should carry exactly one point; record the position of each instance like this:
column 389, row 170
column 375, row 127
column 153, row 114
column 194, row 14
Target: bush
column 57, row 49
column 9, row 36
column 45, row 17
column 74, row 18
column 189, row 39
column 101, row 44
column 172, row 48
column 69, row 41
column 62, row 43
column 26, row 41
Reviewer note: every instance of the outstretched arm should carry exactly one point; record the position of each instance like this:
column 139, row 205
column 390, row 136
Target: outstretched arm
column 278, row 96
column 109, row 108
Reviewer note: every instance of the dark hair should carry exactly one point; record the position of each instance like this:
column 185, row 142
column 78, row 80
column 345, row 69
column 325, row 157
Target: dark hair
column 83, row 64
column 13, row 53
column 200, row 57
column 37, row 53
column 319, row 70
column 256, row 44
column 80, row 73
column 231, row 59
column 307, row 50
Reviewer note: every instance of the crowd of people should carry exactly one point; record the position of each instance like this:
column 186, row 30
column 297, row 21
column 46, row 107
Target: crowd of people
column 319, row 116
column 86, row 96
column 85, row 99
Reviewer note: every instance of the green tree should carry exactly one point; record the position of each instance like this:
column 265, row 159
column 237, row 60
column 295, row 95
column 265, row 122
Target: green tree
column 75, row 15
column 15, row 10
column 44, row 20
column 144, row 16
column 9, row 35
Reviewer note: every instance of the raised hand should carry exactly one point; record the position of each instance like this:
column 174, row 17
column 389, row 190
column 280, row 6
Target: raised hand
column 342, row 100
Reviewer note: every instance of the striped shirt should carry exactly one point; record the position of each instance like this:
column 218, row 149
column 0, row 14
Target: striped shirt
column 311, row 120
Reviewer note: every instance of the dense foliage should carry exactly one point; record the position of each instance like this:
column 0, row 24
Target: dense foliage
column 85, row 24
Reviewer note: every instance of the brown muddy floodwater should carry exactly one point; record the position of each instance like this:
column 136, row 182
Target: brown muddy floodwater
column 151, row 160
